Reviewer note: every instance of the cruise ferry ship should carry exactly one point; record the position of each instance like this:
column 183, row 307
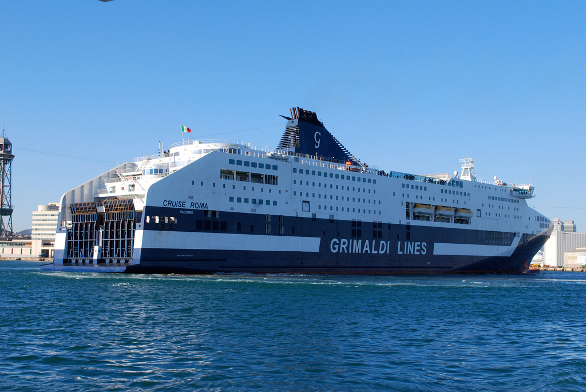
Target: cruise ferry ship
column 308, row 206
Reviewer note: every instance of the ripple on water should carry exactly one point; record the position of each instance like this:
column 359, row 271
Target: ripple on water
column 290, row 332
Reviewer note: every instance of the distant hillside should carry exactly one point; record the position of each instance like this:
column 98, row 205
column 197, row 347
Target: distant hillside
column 25, row 232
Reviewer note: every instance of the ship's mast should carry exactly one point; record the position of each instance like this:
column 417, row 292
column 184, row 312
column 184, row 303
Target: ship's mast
column 6, row 158
column 467, row 170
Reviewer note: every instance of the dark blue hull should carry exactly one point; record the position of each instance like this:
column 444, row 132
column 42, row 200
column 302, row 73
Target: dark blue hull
column 155, row 261
column 343, row 248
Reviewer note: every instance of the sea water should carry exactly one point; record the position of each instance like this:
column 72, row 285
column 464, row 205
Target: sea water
column 85, row 331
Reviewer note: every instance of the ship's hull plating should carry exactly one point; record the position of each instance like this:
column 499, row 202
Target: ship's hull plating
column 330, row 248
column 212, row 261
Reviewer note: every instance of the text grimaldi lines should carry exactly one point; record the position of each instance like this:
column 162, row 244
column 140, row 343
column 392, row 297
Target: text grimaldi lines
column 377, row 247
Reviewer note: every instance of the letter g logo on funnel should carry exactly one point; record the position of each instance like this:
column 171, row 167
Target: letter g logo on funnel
column 317, row 138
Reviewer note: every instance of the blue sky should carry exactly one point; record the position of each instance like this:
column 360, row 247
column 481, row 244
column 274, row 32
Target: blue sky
column 406, row 86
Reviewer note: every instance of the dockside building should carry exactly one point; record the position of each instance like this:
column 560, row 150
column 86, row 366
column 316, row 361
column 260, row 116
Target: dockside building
column 564, row 238
column 44, row 227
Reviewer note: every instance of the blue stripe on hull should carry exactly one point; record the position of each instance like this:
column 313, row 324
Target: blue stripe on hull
column 254, row 224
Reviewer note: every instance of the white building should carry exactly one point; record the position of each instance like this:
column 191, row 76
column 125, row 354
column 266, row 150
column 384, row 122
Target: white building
column 44, row 227
column 569, row 227
column 575, row 258
column 560, row 242
column 16, row 249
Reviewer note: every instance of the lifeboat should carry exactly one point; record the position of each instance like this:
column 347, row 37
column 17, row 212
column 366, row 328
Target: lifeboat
column 422, row 209
column 444, row 211
column 463, row 213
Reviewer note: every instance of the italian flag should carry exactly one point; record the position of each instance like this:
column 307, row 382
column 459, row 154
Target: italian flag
column 185, row 129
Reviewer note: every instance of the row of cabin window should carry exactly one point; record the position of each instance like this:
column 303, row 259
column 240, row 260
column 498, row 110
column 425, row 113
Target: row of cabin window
column 161, row 219
column 319, row 184
column 375, row 233
column 216, row 214
column 238, row 162
column 223, row 226
column 448, row 191
column 416, row 187
column 363, row 211
column 503, row 199
column 211, row 225
column 506, row 216
column 336, row 175
column 331, row 197
column 430, row 198
column 253, row 201
column 498, row 237
column 256, row 178
column 457, row 193
column 454, row 183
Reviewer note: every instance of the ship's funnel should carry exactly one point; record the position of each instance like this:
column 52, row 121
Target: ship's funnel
column 305, row 134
